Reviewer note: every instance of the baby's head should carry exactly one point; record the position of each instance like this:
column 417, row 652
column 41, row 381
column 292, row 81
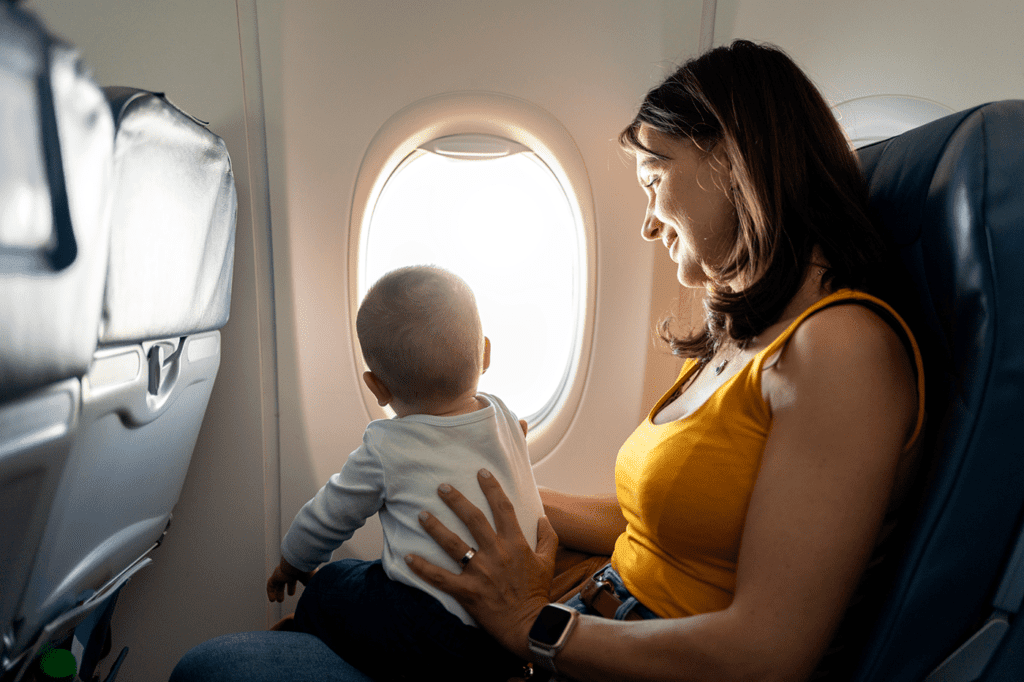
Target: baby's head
column 420, row 334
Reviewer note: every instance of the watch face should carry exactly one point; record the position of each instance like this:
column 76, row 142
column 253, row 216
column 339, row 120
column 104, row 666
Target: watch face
column 550, row 624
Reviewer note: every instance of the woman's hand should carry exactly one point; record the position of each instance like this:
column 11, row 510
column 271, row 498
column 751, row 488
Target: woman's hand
column 506, row 584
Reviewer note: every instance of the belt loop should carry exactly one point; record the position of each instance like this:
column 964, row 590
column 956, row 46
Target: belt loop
column 625, row 611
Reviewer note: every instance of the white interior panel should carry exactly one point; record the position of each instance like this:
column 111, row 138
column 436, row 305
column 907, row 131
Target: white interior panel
column 956, row 53
column 385, row 57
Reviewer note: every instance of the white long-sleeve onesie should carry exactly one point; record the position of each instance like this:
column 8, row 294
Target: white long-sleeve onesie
column 396, row 472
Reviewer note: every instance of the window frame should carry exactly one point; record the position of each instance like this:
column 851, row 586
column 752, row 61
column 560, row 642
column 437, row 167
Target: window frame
column 522, row 122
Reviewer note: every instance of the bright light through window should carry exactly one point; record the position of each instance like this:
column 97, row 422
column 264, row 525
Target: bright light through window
column 505, row 226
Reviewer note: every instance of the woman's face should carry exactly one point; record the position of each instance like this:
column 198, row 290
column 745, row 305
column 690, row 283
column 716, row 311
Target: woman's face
column 688, row 204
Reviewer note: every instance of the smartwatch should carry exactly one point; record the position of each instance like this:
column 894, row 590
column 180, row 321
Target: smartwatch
column 549, row 633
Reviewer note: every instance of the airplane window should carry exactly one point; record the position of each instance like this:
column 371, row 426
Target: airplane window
column 491, row 211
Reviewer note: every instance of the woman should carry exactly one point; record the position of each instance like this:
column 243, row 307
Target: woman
column 750, row 501
column 752, row 498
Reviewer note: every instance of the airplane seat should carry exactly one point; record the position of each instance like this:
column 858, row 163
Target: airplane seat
column 143, row 398
column 949, row 192
column 56, row 163
column 143, row 367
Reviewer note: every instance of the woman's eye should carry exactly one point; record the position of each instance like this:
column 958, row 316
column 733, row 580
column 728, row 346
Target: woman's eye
column 651, row 181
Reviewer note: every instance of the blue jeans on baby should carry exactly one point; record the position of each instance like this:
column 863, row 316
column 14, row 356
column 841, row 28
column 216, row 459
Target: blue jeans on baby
column 391, row 631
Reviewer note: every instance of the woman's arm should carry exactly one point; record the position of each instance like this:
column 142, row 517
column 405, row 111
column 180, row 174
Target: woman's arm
column 585, row 523
column 843, row 401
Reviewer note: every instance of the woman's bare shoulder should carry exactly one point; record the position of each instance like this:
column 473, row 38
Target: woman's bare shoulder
column 846, row 337
column 848, row 351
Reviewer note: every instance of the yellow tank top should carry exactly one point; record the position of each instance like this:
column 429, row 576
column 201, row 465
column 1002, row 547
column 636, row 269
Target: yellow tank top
column 684, row 486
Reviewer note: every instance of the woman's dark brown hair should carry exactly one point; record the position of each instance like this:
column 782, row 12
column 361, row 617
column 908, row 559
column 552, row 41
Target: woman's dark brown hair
column 796, row 184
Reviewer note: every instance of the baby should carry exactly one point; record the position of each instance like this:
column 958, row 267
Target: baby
column 421, row 338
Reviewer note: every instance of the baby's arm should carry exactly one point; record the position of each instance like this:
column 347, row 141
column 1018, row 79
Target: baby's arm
column 329, row 519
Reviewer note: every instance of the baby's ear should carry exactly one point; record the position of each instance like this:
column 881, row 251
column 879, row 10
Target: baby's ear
column 377, row 388
column 487, row 354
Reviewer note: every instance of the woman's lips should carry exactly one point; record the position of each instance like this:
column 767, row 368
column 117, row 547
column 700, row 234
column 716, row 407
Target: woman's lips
column 670, row 243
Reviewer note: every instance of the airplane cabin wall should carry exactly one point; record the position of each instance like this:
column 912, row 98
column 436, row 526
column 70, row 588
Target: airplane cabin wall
column 344, row 71
column 960, row 54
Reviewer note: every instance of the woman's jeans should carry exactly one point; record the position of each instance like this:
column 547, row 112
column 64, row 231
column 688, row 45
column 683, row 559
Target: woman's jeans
column 629, row 602
column 264, row 656
column 378, row 629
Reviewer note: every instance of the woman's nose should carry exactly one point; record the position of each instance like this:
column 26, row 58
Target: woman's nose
column 652, row 227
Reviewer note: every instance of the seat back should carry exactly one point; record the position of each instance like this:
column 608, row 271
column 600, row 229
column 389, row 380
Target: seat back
column 950, row 194
column 55, row 178
column 168, row 288
column 56, row 163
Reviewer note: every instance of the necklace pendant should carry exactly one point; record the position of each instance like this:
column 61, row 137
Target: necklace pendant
column 718, row 370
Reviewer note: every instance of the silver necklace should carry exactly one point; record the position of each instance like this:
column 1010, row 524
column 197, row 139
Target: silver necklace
column 740, row 347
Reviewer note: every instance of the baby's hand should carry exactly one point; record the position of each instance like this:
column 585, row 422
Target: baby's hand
column 522, row 423
column 276, row 584
column 285, row 574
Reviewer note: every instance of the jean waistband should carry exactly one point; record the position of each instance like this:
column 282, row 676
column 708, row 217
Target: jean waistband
column 606, row 594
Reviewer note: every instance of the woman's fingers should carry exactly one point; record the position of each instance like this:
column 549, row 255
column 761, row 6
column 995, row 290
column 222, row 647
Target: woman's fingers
column 451, row 543
column 504, row 513
column 507, row 582
column 505, row 521
column 470, row 515
column 446, row 581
